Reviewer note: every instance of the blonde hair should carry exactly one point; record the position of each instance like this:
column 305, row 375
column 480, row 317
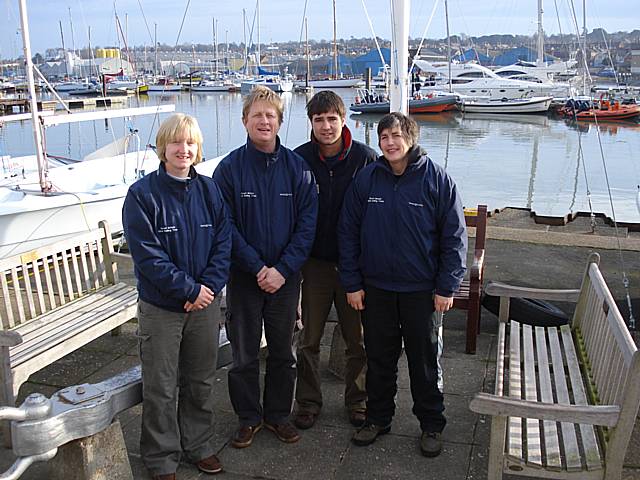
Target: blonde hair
column 265, row 94
column 178, row 127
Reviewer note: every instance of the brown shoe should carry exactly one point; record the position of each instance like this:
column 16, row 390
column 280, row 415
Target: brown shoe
column 244, row 435
column 209, row 465
column 304, row 420
column 285, row 432
column 166, row 476
column 357, row 417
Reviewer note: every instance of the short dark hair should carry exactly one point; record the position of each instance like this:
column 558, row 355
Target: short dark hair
column 324, row 102
column 408, row 126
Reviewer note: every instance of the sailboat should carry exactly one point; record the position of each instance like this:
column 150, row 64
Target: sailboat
column 336, row 81
column 53, row 203
column 272, row 80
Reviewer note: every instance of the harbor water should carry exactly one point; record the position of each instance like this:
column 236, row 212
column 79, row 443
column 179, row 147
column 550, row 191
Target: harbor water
column 552, row 166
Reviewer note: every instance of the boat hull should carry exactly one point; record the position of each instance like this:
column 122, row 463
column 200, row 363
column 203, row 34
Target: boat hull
column 624, row 113
column 437, row 104
column 532, row 105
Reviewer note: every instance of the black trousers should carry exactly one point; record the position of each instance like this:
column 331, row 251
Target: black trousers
column 247, row 308
column 389, row 318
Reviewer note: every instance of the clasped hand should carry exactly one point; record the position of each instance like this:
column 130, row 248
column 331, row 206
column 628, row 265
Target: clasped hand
column 205, row 297
column 269, row 279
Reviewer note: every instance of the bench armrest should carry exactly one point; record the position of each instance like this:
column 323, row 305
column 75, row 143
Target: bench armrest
column 503, row 290
column 10, row 338
column 489, row 404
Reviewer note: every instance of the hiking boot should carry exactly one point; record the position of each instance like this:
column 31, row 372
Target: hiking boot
column 244, row 435
column 304, row 420
column 357, row 417
column 285, row 432
column 431, row 444
column 210, row 465
column 368, row 433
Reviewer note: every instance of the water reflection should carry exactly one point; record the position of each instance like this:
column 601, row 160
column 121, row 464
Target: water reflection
column 501, row 160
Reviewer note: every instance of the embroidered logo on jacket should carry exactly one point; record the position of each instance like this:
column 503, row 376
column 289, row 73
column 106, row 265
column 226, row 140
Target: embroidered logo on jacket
column 375, row 200
column 206, row 225
column 248, row 195
column 168, row 229
column 286, row 194
column 414, row 204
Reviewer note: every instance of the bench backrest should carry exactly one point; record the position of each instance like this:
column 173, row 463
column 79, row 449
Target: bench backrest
column 38, row 281
column 477, row 217
column 605, row 342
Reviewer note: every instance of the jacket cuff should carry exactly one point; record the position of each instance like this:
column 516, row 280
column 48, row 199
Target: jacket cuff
column 195, row 291
column 445, row 293
column 283, row 269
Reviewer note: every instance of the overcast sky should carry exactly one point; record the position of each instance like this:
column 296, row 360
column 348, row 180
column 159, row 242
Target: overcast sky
column 282, row 20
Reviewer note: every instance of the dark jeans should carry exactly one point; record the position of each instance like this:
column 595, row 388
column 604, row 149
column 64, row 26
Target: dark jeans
column 388, row 319
column 247, row 308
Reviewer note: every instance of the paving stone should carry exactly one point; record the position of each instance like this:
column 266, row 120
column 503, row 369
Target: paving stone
column 398, row 457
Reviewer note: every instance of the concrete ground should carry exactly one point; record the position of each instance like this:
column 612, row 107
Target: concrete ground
column 555, row 260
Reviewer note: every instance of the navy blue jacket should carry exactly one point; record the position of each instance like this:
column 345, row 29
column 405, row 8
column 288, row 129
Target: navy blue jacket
column 403, row 233
column 272, row 201
column 332, row 185
column 179, row 236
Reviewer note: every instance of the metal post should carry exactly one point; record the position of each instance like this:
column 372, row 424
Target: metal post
column 399, row 93
column 43, row 171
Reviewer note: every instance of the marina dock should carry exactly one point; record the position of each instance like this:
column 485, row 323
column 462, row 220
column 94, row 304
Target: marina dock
column 9, row 106
column 518, row 251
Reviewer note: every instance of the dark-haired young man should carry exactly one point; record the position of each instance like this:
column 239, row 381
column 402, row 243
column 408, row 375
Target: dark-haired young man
column 335, row 158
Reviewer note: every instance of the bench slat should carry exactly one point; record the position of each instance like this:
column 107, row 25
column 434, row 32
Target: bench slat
column 58, row 277
column 92, row 262
column 533, row 439
column 67, row 276
column 65, row 315
column 38, row 282
column 46, row 268
column 76, row 269
column 7, row 319
column 61, row 331
column 551, row 440
column 514, row 438
column 83, row 265
column 569, row 438
column 27, row 288
column 17, row 292
column 587, row 432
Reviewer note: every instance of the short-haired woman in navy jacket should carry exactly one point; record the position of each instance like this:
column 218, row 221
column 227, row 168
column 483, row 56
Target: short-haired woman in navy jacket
column 403, row 248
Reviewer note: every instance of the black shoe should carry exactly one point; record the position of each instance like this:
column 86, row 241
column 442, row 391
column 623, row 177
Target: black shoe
column 357, row 417
column 431, row 444
column 368, row 434
column 304, row 420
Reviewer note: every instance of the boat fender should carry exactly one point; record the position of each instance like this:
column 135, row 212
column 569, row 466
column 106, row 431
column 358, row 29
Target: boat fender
column 530, row 311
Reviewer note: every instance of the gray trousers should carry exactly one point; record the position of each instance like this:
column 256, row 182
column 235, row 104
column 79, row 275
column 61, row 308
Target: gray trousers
column 248, row 308
column 321, row 288
column 178, row 352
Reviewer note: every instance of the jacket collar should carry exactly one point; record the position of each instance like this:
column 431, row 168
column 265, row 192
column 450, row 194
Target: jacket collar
column 417, row 157
column 255, row 153
column 172, row 182
column 347, row 141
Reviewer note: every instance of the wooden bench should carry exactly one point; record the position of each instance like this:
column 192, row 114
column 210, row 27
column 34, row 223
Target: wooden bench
column 55, row 300
column 468, row 297
column 566, row 398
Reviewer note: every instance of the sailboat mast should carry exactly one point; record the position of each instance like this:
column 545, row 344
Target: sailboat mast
column 335, row 42
column 45, row 184
column 399, row 92
column 446, row 17
column 540, row 61
column 155, row 41
column 306, row 42
column 258, row 33
column 64, row 50
column 215, row 45
column 244, row 36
